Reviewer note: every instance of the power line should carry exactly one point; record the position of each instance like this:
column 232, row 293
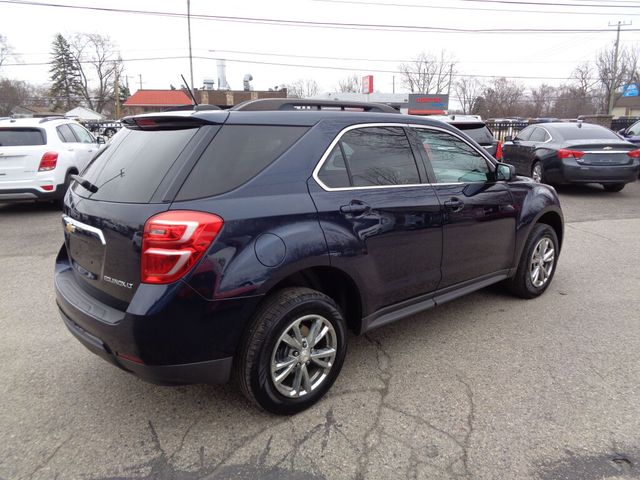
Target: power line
column 314, row 24
column 300, row 65
column 449, row 7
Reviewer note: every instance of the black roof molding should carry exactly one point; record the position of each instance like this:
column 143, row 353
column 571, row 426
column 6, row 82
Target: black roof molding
column 297, row 104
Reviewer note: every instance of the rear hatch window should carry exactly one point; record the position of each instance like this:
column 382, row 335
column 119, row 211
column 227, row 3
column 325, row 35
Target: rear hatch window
column 132, row 166
column 21, row 137
column 237, row 154
column 477, row 131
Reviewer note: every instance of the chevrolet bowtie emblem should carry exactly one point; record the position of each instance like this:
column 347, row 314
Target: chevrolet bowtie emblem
column 608, row 148
column 70, row 228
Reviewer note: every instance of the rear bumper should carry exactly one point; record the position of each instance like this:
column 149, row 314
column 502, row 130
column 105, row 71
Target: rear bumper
column 212, row 371
column 12, row 194
column 573, row 172
column 167, row 335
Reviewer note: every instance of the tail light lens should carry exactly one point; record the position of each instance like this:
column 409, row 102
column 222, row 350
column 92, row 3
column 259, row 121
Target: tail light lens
column 499, row 151
column 570, row 154
column 174, row 241
column 634, row 153
column 48, row 162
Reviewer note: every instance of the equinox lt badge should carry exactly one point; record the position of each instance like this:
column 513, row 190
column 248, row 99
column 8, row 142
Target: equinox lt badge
column 115, row 281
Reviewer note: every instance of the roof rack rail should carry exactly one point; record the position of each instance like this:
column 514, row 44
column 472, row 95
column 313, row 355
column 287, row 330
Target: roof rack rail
column 51, row 117
column 271, row 104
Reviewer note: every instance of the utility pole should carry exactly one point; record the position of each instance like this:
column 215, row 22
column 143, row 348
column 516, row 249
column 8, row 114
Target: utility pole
column 189, row 28
column 140, row 76
column 117, row 93
column 614, row 74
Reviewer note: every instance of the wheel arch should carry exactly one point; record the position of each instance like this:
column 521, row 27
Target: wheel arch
column 333, row 282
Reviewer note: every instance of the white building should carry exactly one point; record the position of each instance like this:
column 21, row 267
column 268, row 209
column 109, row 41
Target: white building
column 83, row 113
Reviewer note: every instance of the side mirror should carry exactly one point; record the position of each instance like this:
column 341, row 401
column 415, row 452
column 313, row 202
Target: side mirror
column 505, row 172
column 508, row 138
column 622, row 132
column 100, row 141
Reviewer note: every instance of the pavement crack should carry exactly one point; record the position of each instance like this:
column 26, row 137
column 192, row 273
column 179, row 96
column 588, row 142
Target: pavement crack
column 470, row 419
column 572, row 226
column 48, row 459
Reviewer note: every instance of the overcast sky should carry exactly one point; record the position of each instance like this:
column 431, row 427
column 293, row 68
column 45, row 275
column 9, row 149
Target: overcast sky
column 30, row 30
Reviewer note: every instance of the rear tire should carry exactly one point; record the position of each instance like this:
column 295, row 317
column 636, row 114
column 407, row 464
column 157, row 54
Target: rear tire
column 292, row 351
column 67, row 183
column 537, row 263
column 537, row 172
column 613, row 187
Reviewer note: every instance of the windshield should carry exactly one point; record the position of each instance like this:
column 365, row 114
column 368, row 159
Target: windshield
column 477, row 131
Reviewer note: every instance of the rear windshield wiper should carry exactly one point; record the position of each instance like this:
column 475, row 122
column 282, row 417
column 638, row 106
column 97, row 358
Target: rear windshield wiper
column 85, row 183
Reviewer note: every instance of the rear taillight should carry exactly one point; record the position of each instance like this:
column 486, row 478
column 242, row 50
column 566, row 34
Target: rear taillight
column 570, row 154
column 174, row 241
column 499, row 151
column 634, row 153
column 48, row 162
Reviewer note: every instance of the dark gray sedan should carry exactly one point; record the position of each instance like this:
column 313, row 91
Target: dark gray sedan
column 560, row 153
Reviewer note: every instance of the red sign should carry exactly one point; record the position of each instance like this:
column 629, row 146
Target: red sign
column 367, row 84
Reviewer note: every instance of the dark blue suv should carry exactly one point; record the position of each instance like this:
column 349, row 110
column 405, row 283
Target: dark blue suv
column 203, row 243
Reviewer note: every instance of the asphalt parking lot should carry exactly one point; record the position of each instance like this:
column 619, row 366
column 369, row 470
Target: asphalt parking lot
column 485, row 387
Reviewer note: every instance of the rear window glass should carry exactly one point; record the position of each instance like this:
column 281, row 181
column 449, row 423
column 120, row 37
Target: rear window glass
column 132, row 166
column 477, row 132
column 237, row 154
column 21, row 137
column 575, row 133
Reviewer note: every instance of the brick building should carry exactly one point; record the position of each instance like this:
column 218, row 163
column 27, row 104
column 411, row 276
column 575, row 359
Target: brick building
column 146, row 101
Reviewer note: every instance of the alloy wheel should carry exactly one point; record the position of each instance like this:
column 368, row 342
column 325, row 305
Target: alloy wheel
column 542, row 262
column 303, row 356
column 536, row 173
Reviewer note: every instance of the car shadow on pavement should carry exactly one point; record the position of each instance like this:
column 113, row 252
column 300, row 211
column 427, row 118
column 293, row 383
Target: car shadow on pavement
column 21, row 208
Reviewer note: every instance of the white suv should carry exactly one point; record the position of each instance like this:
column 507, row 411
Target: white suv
column 38, row 156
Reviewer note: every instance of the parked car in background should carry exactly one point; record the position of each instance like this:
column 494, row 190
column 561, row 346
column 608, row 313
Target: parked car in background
column 559, row 153
column 39, row 155
column 252, row 239
column 631, row 133
column 476, row 128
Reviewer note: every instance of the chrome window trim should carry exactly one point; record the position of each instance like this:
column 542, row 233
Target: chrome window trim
column 335, row 141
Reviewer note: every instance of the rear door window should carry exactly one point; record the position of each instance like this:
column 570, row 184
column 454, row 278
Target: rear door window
column 236, row 155
column 132, row 166
column 538, row 135
column 525, row 134
column 65, row 134
column 379, row 156
column 21, row 137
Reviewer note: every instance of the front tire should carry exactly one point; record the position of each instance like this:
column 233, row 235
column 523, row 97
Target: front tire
column 613, row 187
column 293, row 351
column 537, row 263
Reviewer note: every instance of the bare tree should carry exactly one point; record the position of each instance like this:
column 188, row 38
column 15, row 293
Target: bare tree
column 303, row 88
column 614, row 73
column 98, row 61
column 350, row 84
column 542, row 100
column 428, row 73
column 468, row 90
column 502, row 98
column 14, row 93
column 6, row 50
